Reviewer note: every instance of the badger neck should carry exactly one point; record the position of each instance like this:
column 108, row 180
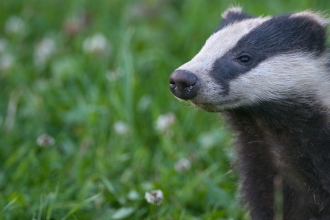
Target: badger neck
column 292, row 128
column 291, row 115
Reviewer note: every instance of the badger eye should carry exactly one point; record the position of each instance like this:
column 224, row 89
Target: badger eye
column 244, row 59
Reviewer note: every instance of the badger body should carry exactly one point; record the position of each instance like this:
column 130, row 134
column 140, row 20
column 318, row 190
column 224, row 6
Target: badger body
column 270, row 77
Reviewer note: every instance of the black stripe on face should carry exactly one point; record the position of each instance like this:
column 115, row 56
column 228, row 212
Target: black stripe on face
column 279, row 35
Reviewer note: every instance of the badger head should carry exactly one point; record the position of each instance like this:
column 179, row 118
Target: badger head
column 249, row 59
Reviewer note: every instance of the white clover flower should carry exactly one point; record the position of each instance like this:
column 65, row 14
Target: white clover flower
column 112, row 75
column 207, row 140
column 121, row 128
column 15, row 26
column 45, row 140
column 6, row 62
column 182, row 165
column 133, row 195
column 97, row 44
column 154, row 197
column 3, row 45
column 164, row 122
column 144, row 103
column 43, row 51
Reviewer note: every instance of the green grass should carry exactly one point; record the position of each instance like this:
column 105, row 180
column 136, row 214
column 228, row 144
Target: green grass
column 77, row 97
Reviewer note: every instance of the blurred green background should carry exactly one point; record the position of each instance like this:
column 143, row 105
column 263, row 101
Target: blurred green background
column 88, row 124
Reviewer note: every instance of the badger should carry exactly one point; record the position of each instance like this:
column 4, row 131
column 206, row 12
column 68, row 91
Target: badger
column 270, row 78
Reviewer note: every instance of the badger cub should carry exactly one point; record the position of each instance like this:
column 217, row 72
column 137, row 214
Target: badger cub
column 270, row 77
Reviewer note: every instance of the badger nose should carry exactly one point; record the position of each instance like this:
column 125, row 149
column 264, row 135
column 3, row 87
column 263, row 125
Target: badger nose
column 184, row 84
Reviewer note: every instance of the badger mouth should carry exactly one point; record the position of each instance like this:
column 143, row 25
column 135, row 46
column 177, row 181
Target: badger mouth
column 206, row 107
column 219, row 106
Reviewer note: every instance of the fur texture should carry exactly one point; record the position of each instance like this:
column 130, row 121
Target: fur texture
column 270, row 77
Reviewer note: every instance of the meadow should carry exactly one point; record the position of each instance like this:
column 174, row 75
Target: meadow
column 88, row 124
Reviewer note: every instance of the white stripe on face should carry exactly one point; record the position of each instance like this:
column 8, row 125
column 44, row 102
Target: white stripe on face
column 280, row 77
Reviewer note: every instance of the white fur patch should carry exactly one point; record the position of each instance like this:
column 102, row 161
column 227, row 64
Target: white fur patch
column 317, row 17
column 279, row 77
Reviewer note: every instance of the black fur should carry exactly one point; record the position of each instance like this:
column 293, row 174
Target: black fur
column 278, row 35
column 289, row 139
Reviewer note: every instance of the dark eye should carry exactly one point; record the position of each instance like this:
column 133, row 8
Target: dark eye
column 244, row 59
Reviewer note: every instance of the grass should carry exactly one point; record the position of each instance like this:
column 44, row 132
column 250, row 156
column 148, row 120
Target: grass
column 102, row 103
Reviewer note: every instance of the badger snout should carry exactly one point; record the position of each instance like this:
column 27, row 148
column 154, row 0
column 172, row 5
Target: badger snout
column 184, row 84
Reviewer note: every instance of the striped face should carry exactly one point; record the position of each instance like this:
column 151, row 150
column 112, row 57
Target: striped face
column 253, row 59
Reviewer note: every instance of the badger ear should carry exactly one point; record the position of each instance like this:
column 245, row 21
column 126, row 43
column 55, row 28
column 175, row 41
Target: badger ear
column 235, row 14
column 319, row 18
column 232, row 15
